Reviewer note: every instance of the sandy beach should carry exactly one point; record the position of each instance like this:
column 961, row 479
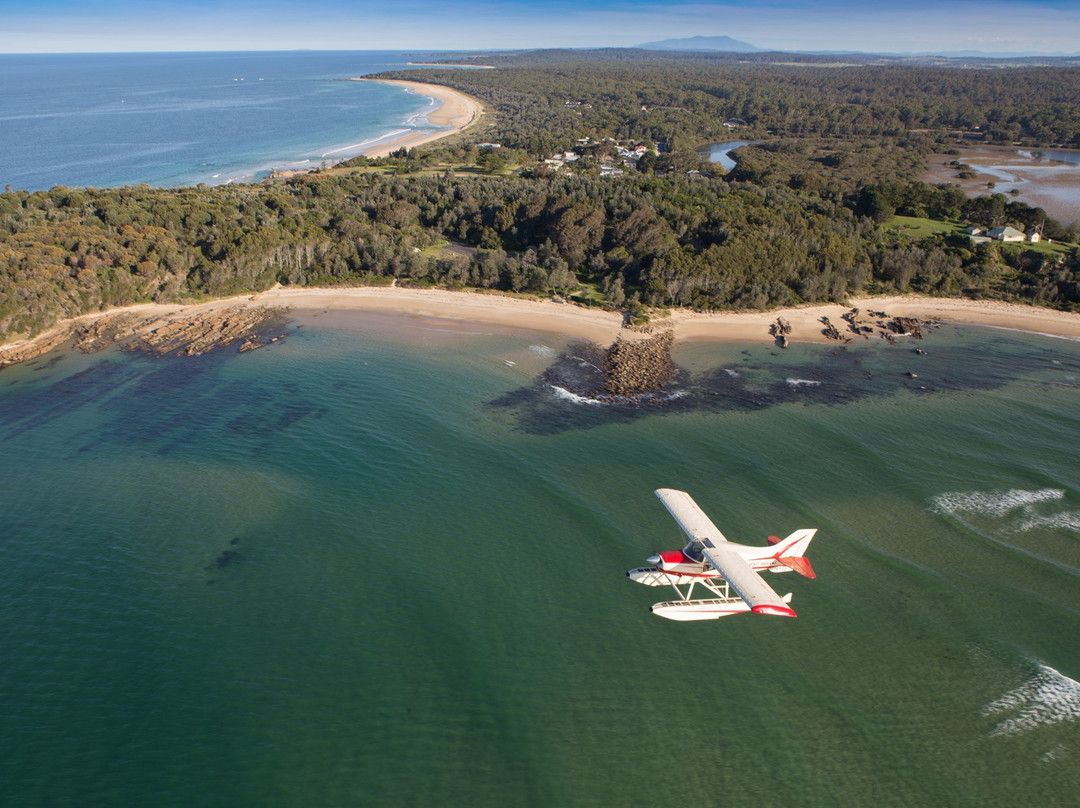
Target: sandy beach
column 602, row 326
column 568, row 319
column 456, row 111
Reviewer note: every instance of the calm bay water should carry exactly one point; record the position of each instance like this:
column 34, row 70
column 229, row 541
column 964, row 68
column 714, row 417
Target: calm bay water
column 184, row 118
column 374, row 564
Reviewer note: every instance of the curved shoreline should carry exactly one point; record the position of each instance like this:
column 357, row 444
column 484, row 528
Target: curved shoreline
column 569, row 319
column 456, row 111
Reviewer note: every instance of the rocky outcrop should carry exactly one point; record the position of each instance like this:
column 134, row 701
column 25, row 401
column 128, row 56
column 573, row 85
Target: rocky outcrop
column 830, row 331
column 640, row 365
column 183, row 332
column 191, row 336
column 780, row 331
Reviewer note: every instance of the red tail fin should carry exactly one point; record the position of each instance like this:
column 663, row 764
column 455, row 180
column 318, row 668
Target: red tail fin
column 800, row 564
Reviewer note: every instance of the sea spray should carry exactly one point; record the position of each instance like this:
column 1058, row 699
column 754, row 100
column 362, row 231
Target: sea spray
column 993, row 503
column 1046, row 697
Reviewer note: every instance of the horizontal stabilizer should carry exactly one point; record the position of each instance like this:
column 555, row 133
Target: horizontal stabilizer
column 800, row 564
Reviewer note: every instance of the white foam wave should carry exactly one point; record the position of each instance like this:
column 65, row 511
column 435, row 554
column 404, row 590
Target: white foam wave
column 731, row 372
column 366, row 143
column 802, row 383
column 995, row 503
column 566, row 395
column 543, row 350
column 1036, row 333
column 1054, row 753
column 1047, row 697
column 1067, row 520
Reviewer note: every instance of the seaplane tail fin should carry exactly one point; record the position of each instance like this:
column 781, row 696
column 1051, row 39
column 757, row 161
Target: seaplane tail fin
column 791, row 552
column 801, row 565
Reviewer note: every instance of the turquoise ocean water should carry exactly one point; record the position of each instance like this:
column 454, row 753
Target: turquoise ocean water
column 184, row 118
column 373, row 564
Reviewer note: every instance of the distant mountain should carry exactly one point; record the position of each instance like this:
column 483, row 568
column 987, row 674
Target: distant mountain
column 702, row 43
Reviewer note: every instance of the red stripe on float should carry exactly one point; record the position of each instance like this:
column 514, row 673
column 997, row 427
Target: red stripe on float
column 778, row 611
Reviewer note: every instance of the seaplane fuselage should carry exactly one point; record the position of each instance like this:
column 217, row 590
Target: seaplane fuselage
column 727, row 570
column 680, row 567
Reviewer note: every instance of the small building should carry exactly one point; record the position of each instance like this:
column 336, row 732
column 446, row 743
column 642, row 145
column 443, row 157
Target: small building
column 1005, row 234
column 1034, row 236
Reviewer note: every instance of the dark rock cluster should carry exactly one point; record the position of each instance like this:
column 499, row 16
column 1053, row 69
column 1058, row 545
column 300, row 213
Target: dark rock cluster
column 639, row 365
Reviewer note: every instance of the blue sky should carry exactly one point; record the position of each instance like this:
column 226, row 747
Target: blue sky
column 1041, row 26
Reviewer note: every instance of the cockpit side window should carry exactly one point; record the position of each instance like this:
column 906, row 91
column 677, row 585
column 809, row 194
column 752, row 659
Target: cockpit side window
column 693, row 550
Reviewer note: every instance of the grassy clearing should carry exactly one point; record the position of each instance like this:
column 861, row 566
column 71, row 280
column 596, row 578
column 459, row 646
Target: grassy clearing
column 918, row 228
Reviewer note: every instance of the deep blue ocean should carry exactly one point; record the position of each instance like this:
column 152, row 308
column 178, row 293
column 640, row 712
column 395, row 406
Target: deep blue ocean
column 183, row 118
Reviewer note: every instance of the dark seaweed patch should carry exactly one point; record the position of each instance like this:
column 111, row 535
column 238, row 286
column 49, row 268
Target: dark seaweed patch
column 33, row 407
column 226, row 558
column 822, row 377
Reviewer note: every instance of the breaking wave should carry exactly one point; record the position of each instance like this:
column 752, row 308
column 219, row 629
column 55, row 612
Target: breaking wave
column 566, row 395
column 1047, row 697
column 543, row 350
column 638, row 398
column 1067, row 520
column 995, row 503
column 1054, row 753
column 802, row 383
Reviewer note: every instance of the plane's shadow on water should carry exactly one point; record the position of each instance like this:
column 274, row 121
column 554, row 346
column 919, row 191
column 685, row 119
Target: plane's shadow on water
column 565, row 396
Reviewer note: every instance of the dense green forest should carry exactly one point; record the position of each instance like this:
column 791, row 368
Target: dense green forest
column 804, row 217
column 689, row 97
column 657, row 240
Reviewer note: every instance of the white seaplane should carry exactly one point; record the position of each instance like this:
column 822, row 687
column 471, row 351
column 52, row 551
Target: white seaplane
column 721, row 567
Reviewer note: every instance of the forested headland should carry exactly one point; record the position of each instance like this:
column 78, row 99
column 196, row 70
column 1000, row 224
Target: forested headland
column 805, row 217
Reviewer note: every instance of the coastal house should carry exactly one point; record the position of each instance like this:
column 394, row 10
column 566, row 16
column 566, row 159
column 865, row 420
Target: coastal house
column 1005, row 234
column 1034, row 236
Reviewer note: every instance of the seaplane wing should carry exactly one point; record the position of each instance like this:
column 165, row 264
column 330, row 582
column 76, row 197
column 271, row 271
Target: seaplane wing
column 693, row 521
column 748, row 585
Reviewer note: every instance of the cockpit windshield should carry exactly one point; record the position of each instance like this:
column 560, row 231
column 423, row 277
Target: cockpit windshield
column 693, row 550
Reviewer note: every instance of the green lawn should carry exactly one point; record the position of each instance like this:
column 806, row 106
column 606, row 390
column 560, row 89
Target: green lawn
column 918, row 228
